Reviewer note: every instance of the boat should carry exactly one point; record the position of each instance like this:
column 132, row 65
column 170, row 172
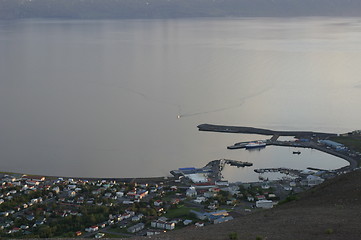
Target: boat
column 296, row 152
column 255, row 144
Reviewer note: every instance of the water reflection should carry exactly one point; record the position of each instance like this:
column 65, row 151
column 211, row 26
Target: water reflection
column 101, row 98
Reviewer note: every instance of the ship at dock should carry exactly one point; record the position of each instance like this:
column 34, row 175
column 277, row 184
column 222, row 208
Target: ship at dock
column 255, row 144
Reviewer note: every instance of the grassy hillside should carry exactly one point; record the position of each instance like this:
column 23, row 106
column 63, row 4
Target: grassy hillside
column 352, row 142
column 329, row 211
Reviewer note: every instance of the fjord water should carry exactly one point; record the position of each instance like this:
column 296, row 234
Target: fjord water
column 122, row 98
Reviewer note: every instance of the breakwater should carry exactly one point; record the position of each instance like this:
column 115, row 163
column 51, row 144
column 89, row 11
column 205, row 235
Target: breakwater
column 261, row 131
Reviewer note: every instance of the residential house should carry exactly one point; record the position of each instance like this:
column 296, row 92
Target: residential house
column 222, row 219
column 136, row 228
column 187, row 222
column 92, row 229
column 191, row 192
column 119, row 194
column 264, row 204
column 163, row 224
column 158, row 203
column 199, row 224
column 99, row 235
column 314, row 180
column 151, row 232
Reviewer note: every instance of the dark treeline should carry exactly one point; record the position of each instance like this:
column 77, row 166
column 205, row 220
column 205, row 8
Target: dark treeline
column 90, row 9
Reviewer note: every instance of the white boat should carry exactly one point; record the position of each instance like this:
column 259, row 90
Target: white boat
column 255, row 144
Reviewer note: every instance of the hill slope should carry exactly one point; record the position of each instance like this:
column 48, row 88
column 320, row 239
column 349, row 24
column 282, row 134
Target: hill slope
column 330, row 211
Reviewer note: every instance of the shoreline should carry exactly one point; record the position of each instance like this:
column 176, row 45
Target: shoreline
column 353, row 160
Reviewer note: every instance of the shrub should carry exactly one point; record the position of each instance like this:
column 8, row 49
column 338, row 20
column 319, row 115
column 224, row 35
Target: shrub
column 233, row 236
column 329, row 231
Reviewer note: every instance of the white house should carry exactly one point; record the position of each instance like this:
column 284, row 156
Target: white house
column 191, row 191
column 136, row 228
column 151, row 232
column 187, row 222
column 158, row 203
column 314, row 180
column 264, row 204
column 163, row 224
column 119, row 194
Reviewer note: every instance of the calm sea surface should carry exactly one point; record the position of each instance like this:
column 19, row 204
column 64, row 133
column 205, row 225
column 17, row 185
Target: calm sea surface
column 101, row 98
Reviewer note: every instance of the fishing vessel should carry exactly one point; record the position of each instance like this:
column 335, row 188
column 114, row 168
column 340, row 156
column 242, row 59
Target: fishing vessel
column 255, row 144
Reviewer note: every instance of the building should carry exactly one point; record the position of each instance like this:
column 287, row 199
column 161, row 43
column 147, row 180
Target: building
column 158, row 203
column 222, row 183
column 222, row 219
column 191, row 192
column 337, row 146
column 136, row 228
column 313, row 180
column 151, row 232
column 163, row 224
column 264, row 204
column 99, row 235
column 187, row 222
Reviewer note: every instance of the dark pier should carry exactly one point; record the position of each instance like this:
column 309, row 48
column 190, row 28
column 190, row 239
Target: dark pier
column 260, row 131
column 216, row 167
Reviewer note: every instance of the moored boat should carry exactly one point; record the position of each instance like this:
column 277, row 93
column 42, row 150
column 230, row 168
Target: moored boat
column 255, row 144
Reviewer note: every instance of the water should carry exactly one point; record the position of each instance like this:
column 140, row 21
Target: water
column 272, row 156
column 101, row 98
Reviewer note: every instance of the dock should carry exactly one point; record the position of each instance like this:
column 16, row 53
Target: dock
column 287, row 171
column 217, row 166
column 261, row 131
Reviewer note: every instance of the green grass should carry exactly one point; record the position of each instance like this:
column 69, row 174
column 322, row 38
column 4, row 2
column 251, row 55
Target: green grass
column 179, row 212
column 109, row 235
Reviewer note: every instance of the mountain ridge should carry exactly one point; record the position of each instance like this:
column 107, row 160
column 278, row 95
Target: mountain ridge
column 149, row 9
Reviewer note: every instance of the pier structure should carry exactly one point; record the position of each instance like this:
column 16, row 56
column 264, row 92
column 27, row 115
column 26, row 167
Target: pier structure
column 261, row 131
column 215, row 167
column 287, row 171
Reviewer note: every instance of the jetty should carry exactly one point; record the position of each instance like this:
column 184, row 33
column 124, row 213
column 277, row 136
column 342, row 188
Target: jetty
column 287, row 171
column 217, row 166
column 261, row 131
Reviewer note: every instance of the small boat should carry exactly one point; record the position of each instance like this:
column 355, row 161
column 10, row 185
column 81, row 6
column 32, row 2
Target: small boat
column 296, row 152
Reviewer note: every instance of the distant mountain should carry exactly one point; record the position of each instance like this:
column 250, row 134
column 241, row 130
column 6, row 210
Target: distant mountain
column 94, row 9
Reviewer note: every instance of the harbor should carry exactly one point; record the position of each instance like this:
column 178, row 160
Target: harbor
column 303, row 139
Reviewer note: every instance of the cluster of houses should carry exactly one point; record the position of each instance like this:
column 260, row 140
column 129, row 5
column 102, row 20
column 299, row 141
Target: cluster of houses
column 70, row 194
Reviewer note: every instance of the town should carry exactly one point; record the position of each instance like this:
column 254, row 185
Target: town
column 47, row 207
column 44, row 207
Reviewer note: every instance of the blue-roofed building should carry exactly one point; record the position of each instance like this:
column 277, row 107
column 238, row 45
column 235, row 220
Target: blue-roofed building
column 335, row 145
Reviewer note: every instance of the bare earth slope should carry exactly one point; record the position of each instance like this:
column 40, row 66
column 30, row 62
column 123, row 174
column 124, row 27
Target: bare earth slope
column 331, row 210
